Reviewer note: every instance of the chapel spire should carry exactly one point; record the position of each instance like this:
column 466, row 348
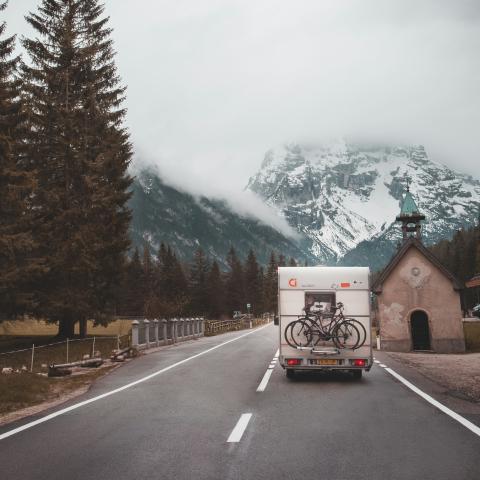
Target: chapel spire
column 410, row 217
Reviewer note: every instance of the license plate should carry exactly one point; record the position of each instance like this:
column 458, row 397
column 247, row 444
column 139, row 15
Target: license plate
column 323, row 361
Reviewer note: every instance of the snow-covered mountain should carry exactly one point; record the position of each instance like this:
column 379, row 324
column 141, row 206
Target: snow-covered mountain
column 343, row 198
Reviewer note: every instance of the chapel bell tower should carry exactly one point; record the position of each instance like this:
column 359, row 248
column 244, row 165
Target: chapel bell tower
column 410, row 217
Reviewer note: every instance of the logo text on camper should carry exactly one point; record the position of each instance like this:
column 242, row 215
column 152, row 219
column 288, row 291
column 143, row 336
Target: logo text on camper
column 345, row 284
column 292, row 282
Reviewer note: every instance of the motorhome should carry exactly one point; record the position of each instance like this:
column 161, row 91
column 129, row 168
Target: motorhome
column 326, row 296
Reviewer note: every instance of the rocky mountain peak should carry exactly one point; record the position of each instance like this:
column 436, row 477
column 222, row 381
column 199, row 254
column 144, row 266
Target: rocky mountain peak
column 342, row 194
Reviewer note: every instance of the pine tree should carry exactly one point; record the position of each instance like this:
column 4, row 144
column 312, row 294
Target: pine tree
column 282, row 262
column 172, row 286
column 271, row 285
column 253, row 283
column 149, row 281
column 292, row 262
column 261, row 281
column 199, row 297
column 234, row 284
column 133, row 293
column 477, row 249
column 216, row 292
column 81, row 151
column 18, row 264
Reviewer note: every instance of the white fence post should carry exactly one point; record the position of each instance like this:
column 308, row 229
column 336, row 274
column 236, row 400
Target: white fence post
column 165, row 337
column 146, row 325
column 155, row 323
column 33, row 355
column 174, row 330
column 181, row 329
column 196, row 327
column 135, row 324
column 202, row 326
column 190, row 330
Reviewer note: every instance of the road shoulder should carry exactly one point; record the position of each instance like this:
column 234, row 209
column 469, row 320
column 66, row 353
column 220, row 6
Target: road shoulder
column 421, row 378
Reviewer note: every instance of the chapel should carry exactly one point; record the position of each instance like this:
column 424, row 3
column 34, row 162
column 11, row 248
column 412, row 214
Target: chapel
column 418, row 300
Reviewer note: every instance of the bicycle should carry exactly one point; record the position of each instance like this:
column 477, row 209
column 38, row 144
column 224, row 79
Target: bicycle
column 308, row 331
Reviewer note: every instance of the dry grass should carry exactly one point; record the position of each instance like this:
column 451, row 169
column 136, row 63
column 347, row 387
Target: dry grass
column 21, row 390
column 25, row 389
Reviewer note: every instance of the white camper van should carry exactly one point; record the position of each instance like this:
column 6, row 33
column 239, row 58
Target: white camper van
column 329, row 295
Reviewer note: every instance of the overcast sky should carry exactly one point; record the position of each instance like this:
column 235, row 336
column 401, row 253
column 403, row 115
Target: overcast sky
column 213, row 84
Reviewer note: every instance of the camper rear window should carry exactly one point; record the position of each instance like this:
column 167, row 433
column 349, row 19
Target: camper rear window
column 319, row 301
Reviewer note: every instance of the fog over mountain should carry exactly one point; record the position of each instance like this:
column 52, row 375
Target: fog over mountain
column 214, row 84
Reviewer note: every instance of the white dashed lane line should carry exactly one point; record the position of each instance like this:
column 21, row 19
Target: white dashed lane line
column 239, row 429
column 266, row 377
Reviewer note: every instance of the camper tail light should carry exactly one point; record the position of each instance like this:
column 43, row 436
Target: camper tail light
column 294, row 361
column 358, row 362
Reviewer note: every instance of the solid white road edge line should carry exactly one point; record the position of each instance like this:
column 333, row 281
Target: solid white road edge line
column 120, row 389
column 265, row 379
column 466, row 423
column 277, row 354
column 239, row 428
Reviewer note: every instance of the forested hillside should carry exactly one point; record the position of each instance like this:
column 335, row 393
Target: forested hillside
column 165, row 287
column 461, row 256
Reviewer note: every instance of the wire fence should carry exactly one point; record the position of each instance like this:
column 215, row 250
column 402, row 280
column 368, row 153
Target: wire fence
column 37, row 358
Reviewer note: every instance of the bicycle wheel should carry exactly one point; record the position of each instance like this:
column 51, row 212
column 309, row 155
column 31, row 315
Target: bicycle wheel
column 361, row 329
column 297, row 333
column 288, row 335
column 346, row 335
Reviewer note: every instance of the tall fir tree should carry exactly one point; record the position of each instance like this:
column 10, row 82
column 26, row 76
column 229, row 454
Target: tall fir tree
column 253, row 283
column 271, row 285
column 234, row 284
column 18, row 265
column 172, row 290
column 216, row 292
column 150, row 282
column 81, row 152
column 132, row 301
column 198, row 287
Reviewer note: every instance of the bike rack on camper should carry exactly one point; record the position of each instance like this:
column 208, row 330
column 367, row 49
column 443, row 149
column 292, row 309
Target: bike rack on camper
column 301, row 288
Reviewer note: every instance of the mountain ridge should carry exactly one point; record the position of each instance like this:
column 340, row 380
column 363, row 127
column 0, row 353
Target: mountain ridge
column 344, row 197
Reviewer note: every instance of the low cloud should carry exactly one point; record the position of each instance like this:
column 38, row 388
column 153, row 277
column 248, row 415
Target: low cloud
column 213, row 85
column 243, row 202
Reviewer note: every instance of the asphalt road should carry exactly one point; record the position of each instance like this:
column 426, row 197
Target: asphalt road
column 175, row 425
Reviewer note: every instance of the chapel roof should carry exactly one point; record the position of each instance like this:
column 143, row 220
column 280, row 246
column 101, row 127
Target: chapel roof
column 412, row 242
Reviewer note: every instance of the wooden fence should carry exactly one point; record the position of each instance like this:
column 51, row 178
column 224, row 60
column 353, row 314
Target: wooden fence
column 216, row 327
